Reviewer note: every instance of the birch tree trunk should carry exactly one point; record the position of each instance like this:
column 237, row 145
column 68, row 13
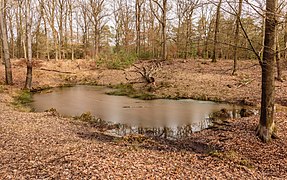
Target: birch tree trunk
column 5, row 46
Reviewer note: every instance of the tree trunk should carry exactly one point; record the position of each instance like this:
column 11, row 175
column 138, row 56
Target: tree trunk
column 278, row 58
column 164, row 44
column 47, row 39
column 216, row 30
column 28, row 83
column 266, row 128
column 138, row 25
column 19, row 27
column 236, row 38
column 285, row 37
column 5, row 46
column 71, row 30
column 97, row 41
column 12, row 46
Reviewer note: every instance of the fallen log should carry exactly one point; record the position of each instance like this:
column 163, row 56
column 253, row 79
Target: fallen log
column 52, row 70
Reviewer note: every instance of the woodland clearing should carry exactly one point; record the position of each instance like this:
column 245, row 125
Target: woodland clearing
column 44, row 145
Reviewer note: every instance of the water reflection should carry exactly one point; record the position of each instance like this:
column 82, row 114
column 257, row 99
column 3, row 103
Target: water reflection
column 166, row 132
column 159, row 117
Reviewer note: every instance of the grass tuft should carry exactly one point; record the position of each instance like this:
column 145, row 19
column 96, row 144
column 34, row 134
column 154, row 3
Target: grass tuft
column 22, row 99
column 128, row 90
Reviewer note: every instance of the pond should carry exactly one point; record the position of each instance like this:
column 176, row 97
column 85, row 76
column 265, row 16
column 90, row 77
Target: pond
column 133, row 115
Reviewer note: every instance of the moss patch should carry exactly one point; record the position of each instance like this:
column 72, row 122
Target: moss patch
column 232, row 156
column 128, row 90
column 22, row 99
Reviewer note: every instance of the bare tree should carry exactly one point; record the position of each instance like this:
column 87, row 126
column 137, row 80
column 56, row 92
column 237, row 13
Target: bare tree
column 118, row 32
column 83, row 21
column 185, row 10
column 5, row 46
column 266, row 128
column 50, row 10
column 28, row 83
column 127, row 25
column 37, row 32
column 216, row 30
column 162, row 20
column 139, row 4
column 236, row 37
column 60, row 4
column 204, row 29
column 96, row 15
column 70, row 12
column 20, row 40
column 10, row 15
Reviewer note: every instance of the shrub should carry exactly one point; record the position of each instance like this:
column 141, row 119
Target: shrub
column 119, row 60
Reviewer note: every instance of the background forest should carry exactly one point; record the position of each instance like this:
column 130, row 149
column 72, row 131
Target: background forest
column 119, row 31
column 212, row 52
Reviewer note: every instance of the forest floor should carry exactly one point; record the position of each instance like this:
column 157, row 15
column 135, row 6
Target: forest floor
column 48, row 146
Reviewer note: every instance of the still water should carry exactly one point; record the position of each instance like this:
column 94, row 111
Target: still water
column 175, row 114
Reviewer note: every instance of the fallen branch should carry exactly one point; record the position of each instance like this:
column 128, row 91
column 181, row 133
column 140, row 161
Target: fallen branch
column 146, row 73
column 246, row 83
column 52, row 70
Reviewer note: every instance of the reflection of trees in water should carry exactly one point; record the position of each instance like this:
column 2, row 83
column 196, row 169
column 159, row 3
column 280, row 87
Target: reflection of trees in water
column 184, row 131
column 174, row 132
column 165, row 132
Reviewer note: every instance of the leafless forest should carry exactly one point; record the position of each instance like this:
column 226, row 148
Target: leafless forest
column 222, row 52
column 101, row 29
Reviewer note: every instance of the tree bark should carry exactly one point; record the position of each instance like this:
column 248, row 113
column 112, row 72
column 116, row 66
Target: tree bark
column 285, row 37
column 278, row 58
column 266, row 128
column 28, row 83
column 162, row 21
column 216, row 30
column 5, row 46
column 12, row 46
column 236, row 37
column 164, row 40
column 138, row 25
column 71, row 29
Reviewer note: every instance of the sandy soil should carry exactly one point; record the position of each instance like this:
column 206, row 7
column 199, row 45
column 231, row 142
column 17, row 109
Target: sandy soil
column 44, row 146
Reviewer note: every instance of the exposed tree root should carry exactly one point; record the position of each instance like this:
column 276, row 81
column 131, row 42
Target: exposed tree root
column 266, row 134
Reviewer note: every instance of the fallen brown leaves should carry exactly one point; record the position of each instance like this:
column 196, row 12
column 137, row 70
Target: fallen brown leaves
column 42, row 146
column 39, row 146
